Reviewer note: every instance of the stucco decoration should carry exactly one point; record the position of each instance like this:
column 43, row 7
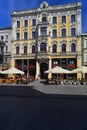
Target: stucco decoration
column 44, row 5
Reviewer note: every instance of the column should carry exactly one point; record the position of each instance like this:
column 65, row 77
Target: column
column 27, row 68
column 22, row 64
column 50, row 66
column 37, row 70
column 12, row 62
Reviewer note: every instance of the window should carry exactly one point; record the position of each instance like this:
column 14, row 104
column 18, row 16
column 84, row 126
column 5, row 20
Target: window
column 54, row 48
column 18, row 24
column 54, row 20
column 2, row 38
column 6, row 36
column 63, row 47
column 43, row 47
column 63, row 32
column 43, row 31
column 63, row 19
column 73, row 32
column 44, row 19
column 17, row 50
column 73, row 18
column 25, row 35
column 25, row 49
column 34, row 22
column 54, row 33
column 34, row 34
column 26, row 23
column 72, row 62
column 33, row 49
column 73, row 47
column 18, row 36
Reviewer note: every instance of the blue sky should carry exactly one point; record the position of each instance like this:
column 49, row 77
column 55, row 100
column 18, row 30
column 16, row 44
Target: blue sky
column 7, row 6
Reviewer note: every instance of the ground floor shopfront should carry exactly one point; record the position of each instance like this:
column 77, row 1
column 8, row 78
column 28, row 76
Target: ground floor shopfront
column 35, row 68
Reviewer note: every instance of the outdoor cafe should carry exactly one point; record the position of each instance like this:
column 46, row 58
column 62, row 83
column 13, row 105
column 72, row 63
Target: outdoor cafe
column 57, row 78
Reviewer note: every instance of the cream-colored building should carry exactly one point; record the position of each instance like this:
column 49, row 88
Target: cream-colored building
column 46, row 37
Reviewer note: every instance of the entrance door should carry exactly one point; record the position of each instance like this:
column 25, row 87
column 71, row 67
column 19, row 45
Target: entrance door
column 43, row 67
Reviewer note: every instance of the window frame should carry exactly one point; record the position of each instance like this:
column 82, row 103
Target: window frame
column 18, row 36
column 18, row 24
column 54, row 20
column 73, row 19
column 73, row 32
column 54, row 33
column 54, row 48
column 43, row 47
column 33, row 22
column 63, row 49
column 25, row 23
column 63, row 19
column 17, row 50
column 63, row 32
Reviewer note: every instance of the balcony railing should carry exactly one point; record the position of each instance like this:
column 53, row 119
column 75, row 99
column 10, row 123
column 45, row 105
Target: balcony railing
column 43, row 23
column 39, row 53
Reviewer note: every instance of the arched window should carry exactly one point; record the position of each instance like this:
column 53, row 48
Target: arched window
column 73, row 47
column 44, row 19
column 25, row 49
column 43, row 46
column 63, row 47
column 73, row 32
column 17, row 50
column 54, row 48
column 33, row 49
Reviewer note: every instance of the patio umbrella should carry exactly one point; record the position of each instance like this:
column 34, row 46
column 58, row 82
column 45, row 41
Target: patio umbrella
column 58, row 70
column 82, row 69
column 12, row 71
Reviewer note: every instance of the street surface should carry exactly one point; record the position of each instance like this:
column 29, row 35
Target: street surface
column 24, row 107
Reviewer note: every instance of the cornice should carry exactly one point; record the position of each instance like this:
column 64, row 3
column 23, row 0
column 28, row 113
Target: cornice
column 50, row 9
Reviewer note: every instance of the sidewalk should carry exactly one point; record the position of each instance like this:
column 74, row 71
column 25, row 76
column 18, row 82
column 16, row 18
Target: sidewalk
column 59, row 89
column 51, row 89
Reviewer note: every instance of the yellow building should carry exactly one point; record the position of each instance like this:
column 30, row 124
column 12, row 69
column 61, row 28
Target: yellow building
column 46, row 37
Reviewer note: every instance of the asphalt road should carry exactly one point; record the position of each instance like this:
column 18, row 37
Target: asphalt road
column 25, row 108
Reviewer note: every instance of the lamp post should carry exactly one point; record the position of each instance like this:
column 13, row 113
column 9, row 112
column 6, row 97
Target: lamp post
column 2, row 44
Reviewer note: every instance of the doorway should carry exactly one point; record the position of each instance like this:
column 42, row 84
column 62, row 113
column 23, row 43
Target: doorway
column 43, row 68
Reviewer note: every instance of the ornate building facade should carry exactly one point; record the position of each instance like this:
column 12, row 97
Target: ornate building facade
column 46, row 37
column 5, row 50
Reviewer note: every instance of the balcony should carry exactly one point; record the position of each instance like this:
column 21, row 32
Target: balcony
column 48, row 53
column 43, row 23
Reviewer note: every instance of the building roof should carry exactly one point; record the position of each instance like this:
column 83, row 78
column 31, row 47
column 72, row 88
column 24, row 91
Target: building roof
column 45, row 7
column 5, row 28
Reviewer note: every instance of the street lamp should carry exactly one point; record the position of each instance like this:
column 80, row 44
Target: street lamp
column 2, row 44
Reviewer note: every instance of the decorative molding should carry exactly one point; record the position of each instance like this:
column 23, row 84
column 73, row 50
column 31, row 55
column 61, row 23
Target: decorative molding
column 44, row 5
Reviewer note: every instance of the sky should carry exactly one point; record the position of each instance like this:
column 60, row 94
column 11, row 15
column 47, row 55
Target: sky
column 7, row 6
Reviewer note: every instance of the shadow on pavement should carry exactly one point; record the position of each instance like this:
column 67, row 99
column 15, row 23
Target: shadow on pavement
column 29, row 91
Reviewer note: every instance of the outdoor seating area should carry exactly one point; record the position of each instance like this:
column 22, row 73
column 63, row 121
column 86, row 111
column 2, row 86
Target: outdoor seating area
column 66, row 81
column 13, row 75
